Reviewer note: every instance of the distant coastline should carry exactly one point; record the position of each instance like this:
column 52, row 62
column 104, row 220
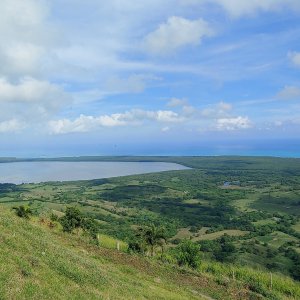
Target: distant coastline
column 138, row 158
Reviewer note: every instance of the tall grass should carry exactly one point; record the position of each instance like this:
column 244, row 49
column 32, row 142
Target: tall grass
column 256, row 280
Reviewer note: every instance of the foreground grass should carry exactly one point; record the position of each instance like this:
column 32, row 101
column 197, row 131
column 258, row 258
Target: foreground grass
column 271, row 286
column 39, row 263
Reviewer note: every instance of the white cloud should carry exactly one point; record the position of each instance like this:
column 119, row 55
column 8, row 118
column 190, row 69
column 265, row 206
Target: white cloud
column 31, row 99
column 294, row 58
column 134, row 117
column 84, row 124
column 29, row 90
column 233, row 123
column 12, row 125
column 289, row 92
column 176, row 33
column 26, row 37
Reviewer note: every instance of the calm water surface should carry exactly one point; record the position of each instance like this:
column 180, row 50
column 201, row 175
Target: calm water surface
column 34, row 172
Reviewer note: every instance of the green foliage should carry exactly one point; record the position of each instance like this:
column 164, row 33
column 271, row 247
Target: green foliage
column 91, row 227
column 38, row 263
column 137, row 245
column 54, row 217
column 72, row 219
column 187, row 253
column 222, row 249
column 23, row 211
column 257, row 280
column 226, row 251
column 152, row 236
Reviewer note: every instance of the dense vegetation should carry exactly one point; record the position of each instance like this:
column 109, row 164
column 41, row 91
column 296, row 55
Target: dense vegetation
column 241, row 211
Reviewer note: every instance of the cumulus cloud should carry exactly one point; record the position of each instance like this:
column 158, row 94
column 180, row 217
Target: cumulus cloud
column 188, row 115
column 30, row 99
column 26, row 37
column 84, row 124
column 29, row 90
column 233, row 123
column 134, row 117
column 294, row 58
column 176, row 33
column 289, row 93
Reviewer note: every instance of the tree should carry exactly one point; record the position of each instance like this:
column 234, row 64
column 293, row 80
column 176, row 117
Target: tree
column 188, row 253
column 226, row 251
column 153, row 236
column 72, row 219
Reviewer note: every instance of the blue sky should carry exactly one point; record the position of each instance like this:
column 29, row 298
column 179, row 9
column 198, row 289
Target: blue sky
column 149, row 77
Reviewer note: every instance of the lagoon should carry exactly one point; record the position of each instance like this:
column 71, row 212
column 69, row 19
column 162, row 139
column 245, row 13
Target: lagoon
column 35, row 172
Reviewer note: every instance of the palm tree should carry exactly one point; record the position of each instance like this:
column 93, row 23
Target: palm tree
column 153, row 236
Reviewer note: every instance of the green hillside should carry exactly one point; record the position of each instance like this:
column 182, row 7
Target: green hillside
column 40, row 262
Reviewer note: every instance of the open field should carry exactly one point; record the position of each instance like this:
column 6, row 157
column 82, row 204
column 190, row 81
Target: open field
column 218, row 234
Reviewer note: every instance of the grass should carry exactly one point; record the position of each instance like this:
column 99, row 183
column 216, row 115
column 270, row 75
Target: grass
column 276, row 239
column 264, row 222
column 111, row 243
column 259, row 281
column 215, row 235
column 297, row 227
column 37, row 262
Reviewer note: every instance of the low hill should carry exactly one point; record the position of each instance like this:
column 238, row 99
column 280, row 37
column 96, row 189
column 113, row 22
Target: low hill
column 37, row 262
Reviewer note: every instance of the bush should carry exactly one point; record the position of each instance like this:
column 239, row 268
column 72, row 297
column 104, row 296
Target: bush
column 71, row 220
column 54, row 217
column 23, row 212
column 137, row 246
column 188, row 253
column 91, row 227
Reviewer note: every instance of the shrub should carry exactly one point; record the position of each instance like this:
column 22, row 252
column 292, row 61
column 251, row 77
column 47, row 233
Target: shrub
column 188, row 253
column 91, row 227
column 23, row 211
column 72, row 219
column 137, row 246
column 54, row 217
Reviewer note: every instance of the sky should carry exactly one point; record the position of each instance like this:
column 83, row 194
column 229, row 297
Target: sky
column 129, row 77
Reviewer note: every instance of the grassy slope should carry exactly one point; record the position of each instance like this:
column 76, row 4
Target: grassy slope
column 39, row 263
